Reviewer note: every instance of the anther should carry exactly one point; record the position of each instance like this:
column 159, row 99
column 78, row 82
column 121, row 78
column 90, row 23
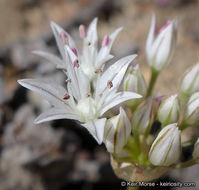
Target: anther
column 98, row 71
column 109, row 84
column 63, row 37
column 88, row 94
column 105, row 41
column 74, row 51
column 87, row 43
column 68, row 80
column 66, row 96
column 76, row 63
column 82, row 31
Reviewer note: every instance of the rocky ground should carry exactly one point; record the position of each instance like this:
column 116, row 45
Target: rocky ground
column 61, row 155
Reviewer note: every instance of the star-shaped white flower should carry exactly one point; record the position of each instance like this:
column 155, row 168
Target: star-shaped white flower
column 78, row 101
column 91, row 60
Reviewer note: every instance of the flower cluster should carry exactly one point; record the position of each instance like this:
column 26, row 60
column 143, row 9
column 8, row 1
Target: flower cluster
column 91, row 91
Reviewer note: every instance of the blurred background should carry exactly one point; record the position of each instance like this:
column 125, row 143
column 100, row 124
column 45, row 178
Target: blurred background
column 61, row 155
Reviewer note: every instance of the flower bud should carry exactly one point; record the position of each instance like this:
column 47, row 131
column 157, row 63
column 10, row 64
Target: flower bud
column 190, row 83
column 196, row 150
column 191, row 116
column 169, row 110
column 166, row 148
column 135, row 82
column 159, row 48
column 117, row 131
column 142, row 117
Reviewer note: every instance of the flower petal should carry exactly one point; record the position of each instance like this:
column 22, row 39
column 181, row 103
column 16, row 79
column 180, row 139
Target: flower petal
column 114, row 73
column 79, row 81
column 51, row 58
column 103, row 54
column 53, row 93
column 57, row 30
column 53, row 114
column 96, row 128
column 116, row 99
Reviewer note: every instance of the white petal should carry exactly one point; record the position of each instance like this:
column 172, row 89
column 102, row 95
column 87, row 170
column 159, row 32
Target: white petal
column 96, row 128
column 103, row 54
column 54, row 94
column 57, row 31
column 53, row 114
column 150, row 38
column 114, row 73
column 92, row 32
column 117, row 99
column 51, row 58
column 80, row 81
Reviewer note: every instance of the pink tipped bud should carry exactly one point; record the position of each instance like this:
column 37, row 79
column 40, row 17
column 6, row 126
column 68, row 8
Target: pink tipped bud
column 76, row 63
column 66, row 96
column 165, row 26
column 74, row 51
column 109, row 84
column 63, row 37
column 82, row 31
column 105, row 41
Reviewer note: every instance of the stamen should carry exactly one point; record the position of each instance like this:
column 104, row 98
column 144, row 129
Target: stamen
column 76, row 63
column 88, row 94
column 68, row 80
column 63, row 37
column 98, row 71
column 105, row 41
column 74, row 51
column 66, row 96
column 87, row 43
column 109, row 84
column 82, row 31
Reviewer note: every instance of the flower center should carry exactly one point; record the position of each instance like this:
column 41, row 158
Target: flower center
column 87, row 109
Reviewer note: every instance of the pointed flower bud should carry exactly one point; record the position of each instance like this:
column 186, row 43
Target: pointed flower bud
column 196, row 150
column 135, row 82
column 142, row 117
column 190, row 83
column 117, row 131
column 169, row 110
column 191, row 116
column 166, row 148
column 159, row 48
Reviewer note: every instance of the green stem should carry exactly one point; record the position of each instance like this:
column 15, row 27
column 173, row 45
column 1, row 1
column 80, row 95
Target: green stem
column 154, row 76
column 186, row 164
column 189, row 142
column 182, row 126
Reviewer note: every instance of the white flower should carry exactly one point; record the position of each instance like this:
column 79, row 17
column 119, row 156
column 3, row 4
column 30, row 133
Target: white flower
column 169, row 110
column 142, row 117
column 78, row 102
column 91, row 60
column 190, row 83
column 166, row 148
column 196, row 150
column 117, row 131
column 191, row 116
column 159, row 48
